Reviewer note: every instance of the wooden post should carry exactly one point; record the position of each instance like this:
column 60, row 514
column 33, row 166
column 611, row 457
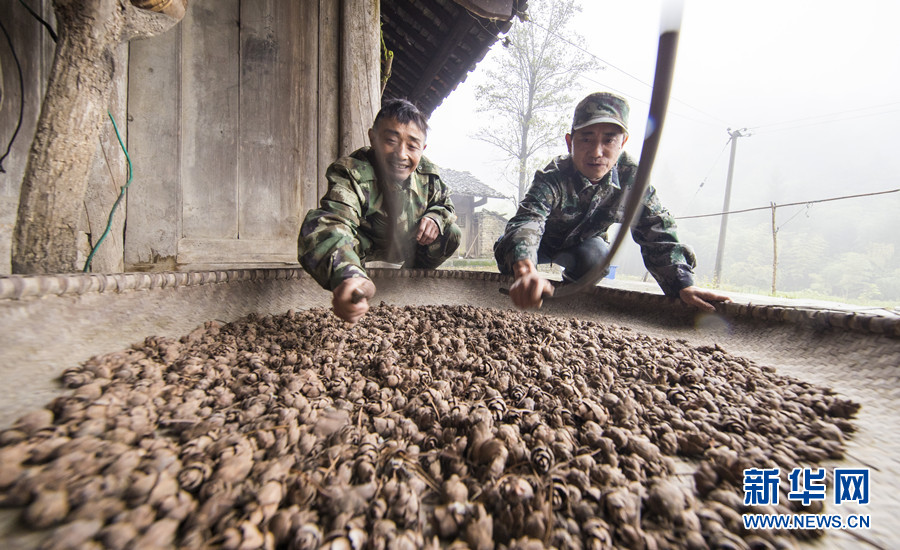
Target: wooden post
column 277, row 128
column 210, row 126
column 329, row 92
column 309, row 108
column 27, row 35
column 360, row 79
column 154, row 113
column 774, row 250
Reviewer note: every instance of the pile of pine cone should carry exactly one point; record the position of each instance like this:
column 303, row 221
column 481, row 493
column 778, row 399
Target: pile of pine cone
column 419, row 427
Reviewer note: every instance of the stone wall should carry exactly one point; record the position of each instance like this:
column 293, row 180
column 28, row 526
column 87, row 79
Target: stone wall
column 490, row 225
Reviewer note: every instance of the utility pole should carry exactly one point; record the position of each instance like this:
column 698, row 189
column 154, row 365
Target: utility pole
column 721, row 248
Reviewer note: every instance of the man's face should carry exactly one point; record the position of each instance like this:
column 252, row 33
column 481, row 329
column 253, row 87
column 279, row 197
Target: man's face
column 398, row 148
column 596, row 148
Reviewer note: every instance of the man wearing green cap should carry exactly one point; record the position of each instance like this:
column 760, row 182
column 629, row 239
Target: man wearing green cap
column 572, row 202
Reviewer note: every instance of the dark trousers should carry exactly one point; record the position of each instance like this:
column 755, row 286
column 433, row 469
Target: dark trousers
column 576, row 261
column 436, row 253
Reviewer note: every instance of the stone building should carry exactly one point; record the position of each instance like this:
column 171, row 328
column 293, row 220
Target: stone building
column 468, row 193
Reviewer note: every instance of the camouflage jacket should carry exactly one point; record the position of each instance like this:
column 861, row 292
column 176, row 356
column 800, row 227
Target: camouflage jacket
column 358, row 221
column 563, row 208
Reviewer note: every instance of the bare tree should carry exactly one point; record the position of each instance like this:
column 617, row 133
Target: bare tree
column 73, row 109
column 530, row 92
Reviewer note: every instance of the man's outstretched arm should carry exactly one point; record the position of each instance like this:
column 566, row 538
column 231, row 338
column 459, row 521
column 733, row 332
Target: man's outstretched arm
column 701, row 298
column 350, row 299
column 529, row 289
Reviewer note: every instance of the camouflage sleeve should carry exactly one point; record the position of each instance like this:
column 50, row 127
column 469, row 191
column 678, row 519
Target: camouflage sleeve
column 327, row 247
column 670, row 262
column 524, row 231
column 440, row 207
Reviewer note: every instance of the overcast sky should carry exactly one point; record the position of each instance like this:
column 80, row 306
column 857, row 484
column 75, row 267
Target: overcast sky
column 817, row 82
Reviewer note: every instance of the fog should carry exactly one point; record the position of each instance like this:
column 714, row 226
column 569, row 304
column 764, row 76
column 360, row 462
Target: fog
column 817, row 85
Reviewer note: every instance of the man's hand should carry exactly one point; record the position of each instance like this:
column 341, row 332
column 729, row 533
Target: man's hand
column 701, row 298
column 350, row 299
column 428, row 231
column 530, row 288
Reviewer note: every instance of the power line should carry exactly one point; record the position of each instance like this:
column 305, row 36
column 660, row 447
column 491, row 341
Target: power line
column 598, row 58
column 12, row 49
column 623, row 71
column 839, row 113
column 673, row 113
column 766, row 126
column 808, row 205
column 712, row 166
column 712, row 116
column 788, row 204
column 613, row 89
column 829, row 121
column 40, row 20
column 715, row 162
column 644, row 101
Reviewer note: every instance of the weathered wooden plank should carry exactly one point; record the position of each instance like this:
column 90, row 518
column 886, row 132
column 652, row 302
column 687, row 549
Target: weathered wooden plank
column 271, row 115
column 48, row 46
column 236, row 251
column 154, row 138
column 459, row 31
column 309, row 108
column 27, row 35
column 210, row 103
column 360, row 76
column 329, row 91
column 489, row 9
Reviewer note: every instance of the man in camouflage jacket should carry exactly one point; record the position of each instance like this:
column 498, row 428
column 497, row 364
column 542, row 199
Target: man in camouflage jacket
column 385, row 202
column 567, row 211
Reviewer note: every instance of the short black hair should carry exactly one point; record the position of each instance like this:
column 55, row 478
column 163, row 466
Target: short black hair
column 404, row 112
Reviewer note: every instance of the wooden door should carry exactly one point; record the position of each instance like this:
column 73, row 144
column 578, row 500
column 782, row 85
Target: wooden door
column 222, row 118
column 233, row 118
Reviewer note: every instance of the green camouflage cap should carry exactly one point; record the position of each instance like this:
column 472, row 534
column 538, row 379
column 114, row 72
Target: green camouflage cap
column 601, row 107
